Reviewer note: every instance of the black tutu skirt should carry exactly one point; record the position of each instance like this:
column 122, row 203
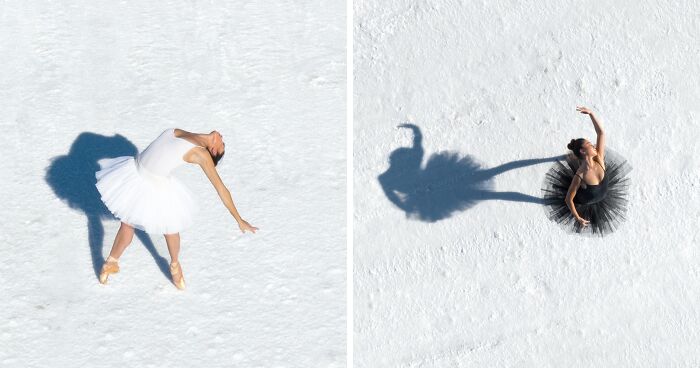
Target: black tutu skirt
column 606, row 215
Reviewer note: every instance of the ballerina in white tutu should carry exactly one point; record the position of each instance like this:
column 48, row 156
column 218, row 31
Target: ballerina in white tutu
column 141, row 193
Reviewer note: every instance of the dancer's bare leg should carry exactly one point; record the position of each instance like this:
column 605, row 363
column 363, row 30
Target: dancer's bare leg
column 121, row 241
column 173, row 241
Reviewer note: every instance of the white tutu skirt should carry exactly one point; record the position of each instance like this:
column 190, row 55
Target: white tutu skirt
column 155, row 204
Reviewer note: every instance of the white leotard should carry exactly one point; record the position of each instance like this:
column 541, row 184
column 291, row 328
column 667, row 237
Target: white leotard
column 164, row 154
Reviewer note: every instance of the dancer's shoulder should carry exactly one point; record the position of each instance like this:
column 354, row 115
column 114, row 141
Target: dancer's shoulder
column 198, row 155
column 600, row 160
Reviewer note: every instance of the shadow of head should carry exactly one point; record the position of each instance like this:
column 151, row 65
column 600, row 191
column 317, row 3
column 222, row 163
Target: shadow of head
column 72, row 176
column 403, row 159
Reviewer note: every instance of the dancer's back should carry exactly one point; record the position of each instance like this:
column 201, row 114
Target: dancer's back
column 164, row 154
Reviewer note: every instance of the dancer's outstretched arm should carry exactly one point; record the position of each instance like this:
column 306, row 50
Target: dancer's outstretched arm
column 600, row 144
column 203, row 159
column 575, row 183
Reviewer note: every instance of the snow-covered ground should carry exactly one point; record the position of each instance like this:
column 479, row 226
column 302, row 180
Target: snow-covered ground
column 271, row 78
column 496, row 284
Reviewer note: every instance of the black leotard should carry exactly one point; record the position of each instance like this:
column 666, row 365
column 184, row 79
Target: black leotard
column 592, row 193
column 604, row 204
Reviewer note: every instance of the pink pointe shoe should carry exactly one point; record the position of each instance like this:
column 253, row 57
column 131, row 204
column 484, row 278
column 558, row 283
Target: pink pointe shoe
column 110, row 266
column 176, row 273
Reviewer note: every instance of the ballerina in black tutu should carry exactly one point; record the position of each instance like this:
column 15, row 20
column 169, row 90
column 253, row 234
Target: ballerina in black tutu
column 588, row 193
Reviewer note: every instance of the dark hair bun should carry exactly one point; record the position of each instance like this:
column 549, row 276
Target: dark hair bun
column 571, row 144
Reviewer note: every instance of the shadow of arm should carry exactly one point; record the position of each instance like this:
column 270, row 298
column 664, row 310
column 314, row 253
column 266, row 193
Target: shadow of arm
column 510, row 196
column 417, row 135
column 518, row 164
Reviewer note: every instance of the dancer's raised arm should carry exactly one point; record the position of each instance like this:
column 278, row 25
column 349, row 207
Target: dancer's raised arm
column 600, row 143
column 204, row 160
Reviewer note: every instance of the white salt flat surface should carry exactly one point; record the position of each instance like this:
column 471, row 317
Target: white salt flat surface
column 498, row 284
column 271, row 79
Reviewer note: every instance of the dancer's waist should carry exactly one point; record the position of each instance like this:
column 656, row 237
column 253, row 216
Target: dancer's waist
column 143, row 171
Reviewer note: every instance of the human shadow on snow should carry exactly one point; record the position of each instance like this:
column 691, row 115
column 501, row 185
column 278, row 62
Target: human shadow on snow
column 72, row 179
column 448, row 183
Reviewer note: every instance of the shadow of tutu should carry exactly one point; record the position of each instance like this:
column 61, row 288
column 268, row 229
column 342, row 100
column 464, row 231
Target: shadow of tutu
column 72, row 179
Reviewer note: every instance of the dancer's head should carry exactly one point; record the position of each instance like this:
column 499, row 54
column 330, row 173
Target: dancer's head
column 216, row 146
column 582, row 148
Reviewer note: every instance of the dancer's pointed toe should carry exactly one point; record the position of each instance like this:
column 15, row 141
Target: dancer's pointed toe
column 176, row 273
column 110, row 266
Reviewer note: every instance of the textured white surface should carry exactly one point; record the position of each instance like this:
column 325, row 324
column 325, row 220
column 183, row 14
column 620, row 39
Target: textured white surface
column 271, row 79
column 499, row 285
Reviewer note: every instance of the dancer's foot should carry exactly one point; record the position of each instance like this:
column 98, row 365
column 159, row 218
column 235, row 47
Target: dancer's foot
column 176, row 273
column 110, row 266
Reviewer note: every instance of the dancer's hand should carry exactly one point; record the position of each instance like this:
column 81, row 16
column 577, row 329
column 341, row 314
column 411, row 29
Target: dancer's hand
column 244, row 225
column 582, row 221
column 584, row 110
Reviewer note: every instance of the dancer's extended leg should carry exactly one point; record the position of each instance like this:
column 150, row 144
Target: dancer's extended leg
column 173, row 241
column 121, row 241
